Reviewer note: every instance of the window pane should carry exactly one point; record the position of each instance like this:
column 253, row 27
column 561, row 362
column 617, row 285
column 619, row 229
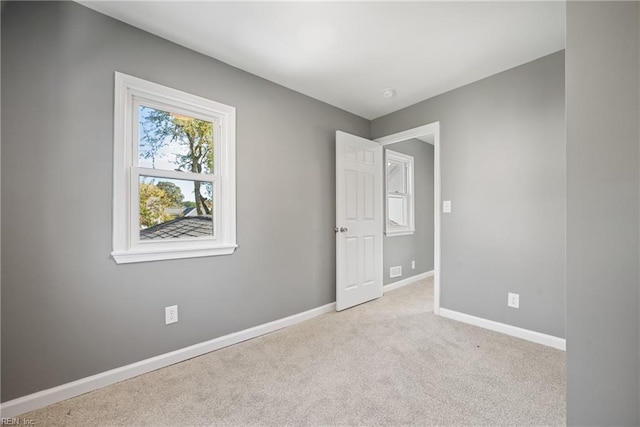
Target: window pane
column 172, row 141
column 396, row 178
column 175, row 208
column 396, row 210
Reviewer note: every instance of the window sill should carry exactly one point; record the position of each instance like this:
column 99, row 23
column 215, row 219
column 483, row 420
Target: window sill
column 392, row 233
column 131, row 256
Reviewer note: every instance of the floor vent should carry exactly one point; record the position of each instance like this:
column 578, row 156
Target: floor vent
column 395, row 271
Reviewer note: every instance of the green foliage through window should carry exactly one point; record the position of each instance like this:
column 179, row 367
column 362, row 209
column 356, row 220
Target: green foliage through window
column 178, row 142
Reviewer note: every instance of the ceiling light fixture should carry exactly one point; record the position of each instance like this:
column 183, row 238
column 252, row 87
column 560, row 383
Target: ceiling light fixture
column 389, row 93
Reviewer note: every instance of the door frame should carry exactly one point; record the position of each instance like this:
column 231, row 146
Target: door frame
column 420, row 131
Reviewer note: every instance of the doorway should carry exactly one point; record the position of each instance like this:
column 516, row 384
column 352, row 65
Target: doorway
column 428, row 134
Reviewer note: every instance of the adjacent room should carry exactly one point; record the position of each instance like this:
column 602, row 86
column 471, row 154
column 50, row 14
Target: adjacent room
column 320, row 213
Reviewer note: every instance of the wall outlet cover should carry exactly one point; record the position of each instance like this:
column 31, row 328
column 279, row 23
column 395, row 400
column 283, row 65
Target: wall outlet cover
column 170, row 314
column 513, row 300
column 446, row 206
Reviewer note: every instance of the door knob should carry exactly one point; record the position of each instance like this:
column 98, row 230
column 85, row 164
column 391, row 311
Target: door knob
column 343, row 229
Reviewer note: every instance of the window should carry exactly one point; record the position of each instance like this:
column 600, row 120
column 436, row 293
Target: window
column 400, row 210
column 174, row 174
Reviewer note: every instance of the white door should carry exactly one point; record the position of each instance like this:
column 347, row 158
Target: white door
column 358, row 220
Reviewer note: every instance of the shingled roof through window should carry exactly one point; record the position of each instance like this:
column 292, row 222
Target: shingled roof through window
column 186, row 226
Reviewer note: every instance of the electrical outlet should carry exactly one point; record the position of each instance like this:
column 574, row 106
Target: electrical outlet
column 513, row 300
column 413, row 264
column 395, row 271
column 170, row 314
column 446, row 206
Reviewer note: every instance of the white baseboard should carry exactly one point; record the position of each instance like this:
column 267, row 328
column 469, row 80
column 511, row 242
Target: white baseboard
column 407, row 281
column 13, row 408
column 514, row 331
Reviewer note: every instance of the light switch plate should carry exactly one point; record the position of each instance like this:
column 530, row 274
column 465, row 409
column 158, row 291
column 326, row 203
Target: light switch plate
column 446, row 206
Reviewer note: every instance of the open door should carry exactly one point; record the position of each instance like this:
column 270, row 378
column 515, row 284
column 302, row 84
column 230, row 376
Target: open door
column 358, row 220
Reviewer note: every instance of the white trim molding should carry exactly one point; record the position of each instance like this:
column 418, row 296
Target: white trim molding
column 514, row 331
column 21, row 405
column 407, row 281
column 406, row 232
column 130, row 94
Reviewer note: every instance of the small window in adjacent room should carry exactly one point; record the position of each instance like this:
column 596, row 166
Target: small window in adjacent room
column 174, row 174
column 400, row 204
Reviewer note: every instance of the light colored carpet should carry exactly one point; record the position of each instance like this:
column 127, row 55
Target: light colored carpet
column 387, row 362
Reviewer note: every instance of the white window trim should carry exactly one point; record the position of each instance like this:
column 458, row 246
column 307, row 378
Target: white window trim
column 406, row 160
column 127, row 247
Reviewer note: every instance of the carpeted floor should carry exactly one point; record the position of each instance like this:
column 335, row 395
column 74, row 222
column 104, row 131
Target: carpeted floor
column 387, row 362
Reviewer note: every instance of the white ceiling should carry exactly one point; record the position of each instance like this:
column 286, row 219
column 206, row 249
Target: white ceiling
column 347, row 53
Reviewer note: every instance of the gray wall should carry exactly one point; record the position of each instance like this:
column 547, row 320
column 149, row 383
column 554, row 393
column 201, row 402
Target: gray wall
column 68, row 311
column 400, row 250
column 503, row 168
column 602, row 213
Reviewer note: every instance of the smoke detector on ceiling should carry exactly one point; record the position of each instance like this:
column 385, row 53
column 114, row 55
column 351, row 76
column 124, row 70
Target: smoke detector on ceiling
column 389, row 93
